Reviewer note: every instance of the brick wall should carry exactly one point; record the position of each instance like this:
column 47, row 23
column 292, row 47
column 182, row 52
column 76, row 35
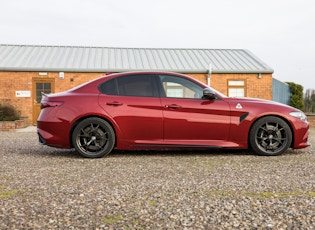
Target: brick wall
column 254, row 86
column 10, row 82
column 311, row 120
column 12, row 125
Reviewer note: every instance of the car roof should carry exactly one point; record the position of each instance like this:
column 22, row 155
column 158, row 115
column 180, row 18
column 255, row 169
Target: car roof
column 93, row 84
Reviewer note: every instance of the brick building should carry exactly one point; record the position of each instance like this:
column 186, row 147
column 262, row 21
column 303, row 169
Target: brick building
column 27, row 71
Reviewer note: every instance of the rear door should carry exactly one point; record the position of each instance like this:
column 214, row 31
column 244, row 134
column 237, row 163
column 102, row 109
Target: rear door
column 40, row 86
column 189, row 119
column 134, row 104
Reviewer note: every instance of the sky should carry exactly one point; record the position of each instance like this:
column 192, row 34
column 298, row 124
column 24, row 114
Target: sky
column 279, row 32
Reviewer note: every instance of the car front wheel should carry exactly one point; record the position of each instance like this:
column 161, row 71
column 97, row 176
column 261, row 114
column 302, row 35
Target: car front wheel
column 93, row 137
column 270, row 136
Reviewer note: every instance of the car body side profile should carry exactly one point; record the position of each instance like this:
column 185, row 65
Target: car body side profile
column 162, row 110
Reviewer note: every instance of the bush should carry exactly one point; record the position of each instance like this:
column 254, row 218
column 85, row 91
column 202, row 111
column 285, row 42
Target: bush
column 296, row 100
column 8, row 113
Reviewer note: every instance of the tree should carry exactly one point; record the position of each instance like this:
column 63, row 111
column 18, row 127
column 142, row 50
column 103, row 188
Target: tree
column 296, row 100
column 309, row 101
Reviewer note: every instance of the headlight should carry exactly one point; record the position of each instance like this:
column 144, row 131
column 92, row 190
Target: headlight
column 300, row 115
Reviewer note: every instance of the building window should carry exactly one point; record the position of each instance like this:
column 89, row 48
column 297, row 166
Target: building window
column 42, row 87
column 174, row 90
column 236, row 88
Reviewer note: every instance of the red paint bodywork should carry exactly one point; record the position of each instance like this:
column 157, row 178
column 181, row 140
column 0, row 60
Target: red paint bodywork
column 160, row 122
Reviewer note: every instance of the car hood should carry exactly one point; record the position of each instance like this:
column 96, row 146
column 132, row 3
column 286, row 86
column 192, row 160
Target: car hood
column 256, row 101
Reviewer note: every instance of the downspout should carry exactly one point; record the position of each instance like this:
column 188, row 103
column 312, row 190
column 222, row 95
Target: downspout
column 209, row 74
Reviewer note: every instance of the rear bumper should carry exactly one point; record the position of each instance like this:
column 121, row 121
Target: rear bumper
column 53, row 134
column 41, row 139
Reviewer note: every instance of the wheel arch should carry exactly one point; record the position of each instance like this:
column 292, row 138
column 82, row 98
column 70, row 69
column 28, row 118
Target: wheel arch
column 271, row 115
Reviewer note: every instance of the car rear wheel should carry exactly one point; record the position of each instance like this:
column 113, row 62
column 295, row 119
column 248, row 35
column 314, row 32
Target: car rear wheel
column 270, row 136
column 93, row 137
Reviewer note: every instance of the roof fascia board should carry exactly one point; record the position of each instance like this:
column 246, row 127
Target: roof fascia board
column 95, row 70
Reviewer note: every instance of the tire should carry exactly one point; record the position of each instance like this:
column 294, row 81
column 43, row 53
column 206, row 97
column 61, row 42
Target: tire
column 93, row 138
column 270, row 136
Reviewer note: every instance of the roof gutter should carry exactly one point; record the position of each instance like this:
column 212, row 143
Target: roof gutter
column 104, row 70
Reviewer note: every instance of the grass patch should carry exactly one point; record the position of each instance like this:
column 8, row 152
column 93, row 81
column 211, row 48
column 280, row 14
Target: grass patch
column 152, row 203
column 311, row 194
column 112, row 219
column 8, row 194
column 274, row 194
column 261, row 195
column 5, row 193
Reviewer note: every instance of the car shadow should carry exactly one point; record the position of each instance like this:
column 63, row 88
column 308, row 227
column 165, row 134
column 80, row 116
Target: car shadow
column 45, row 151
column 177, row 153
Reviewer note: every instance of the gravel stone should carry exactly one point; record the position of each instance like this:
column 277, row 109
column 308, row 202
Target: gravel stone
column 48, row 188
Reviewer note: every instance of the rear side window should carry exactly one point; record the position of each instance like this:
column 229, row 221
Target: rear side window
column 134, row 85
column 109, row 87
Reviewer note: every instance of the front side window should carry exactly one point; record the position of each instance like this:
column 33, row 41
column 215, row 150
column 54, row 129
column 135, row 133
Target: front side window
column 134, row 85
column 178, row 87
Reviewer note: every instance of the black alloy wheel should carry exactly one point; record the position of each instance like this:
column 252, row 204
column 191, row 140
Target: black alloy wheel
column 270, row 136
column 93, row 137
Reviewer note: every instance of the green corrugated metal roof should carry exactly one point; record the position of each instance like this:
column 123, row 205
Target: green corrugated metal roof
column 107, row 59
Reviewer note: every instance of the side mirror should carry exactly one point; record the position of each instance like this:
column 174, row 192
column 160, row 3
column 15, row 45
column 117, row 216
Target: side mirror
column 209, row 94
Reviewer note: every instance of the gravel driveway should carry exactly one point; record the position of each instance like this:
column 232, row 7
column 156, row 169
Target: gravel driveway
column 47, row 188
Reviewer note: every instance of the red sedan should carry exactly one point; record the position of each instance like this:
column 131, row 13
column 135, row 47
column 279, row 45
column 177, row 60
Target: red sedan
column 159, row 110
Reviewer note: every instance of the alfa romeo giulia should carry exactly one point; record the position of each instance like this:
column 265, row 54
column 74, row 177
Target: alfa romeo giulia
column 161, row 110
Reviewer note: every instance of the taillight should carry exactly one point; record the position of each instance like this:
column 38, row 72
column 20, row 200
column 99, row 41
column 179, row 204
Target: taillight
column 47, row 104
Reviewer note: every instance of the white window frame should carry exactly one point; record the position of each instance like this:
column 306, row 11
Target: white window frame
column 236, row 88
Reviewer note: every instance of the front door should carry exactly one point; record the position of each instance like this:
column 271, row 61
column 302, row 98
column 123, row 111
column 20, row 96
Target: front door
column 41, row 85
column 189, row 119
column 196, row 121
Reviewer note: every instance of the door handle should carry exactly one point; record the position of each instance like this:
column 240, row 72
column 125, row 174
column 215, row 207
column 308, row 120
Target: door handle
column 173, row 106
column 114, row 103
